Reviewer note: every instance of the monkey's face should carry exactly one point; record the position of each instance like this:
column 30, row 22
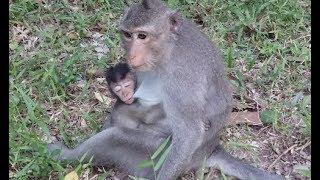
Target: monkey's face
column 124, row 88
column 138, row 45
column 148, row 31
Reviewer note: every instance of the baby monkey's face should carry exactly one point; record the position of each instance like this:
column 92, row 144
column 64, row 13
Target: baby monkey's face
column 124, row 88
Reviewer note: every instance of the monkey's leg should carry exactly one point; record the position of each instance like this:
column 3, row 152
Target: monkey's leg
column 234, row 167
column 185, row 142
column 123, row 147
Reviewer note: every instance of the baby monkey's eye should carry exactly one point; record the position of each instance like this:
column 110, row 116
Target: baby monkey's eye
column 117, row 88
column 126, row 34
column 142, row 36
column 127, row 84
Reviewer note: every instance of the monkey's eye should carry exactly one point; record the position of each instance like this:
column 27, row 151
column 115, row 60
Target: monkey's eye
column 117, row 88
column 142, row 36
column 126, row 34
column 127, row 84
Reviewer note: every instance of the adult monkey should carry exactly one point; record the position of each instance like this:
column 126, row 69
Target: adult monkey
column 194, row 85
column 194, row 91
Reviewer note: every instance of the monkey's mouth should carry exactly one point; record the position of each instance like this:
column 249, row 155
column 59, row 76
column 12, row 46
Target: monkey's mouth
column 129, row 100
column 137, row 66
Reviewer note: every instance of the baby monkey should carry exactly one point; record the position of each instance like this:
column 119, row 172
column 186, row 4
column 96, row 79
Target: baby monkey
column 128, row 111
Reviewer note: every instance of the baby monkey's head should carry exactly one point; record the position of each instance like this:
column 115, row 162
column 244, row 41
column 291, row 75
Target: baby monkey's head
column 122, row 82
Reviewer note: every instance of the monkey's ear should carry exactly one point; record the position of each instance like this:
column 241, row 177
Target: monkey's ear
column 150, row 4
column 175, row 21
column 126, row 3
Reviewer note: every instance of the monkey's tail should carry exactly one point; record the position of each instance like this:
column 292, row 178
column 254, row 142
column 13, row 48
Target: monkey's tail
column 234, row 167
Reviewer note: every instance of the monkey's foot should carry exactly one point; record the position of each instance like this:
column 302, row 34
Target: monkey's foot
column 55, row 149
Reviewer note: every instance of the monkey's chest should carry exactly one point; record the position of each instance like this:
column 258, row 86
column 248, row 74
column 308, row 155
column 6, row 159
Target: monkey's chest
column 148, row 92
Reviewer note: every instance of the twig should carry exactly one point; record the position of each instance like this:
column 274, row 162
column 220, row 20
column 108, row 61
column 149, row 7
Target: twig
column 285, row 152
column 304, row 146
column 209, row 174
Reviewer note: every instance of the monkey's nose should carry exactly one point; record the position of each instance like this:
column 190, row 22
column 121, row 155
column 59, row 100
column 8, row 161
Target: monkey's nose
column 131, row 58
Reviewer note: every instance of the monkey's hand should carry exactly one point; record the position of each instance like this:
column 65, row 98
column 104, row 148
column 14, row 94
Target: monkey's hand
column 206, row 124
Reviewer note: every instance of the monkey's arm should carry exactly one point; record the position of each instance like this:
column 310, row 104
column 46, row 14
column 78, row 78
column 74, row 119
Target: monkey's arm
column 123, row 116
column 143, row 114
column 187, row 137
column 185, row 113
column 154, row 114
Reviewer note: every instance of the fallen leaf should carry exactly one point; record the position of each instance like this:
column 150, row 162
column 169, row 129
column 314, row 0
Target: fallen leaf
column 85, row 174
column 244, row 117
column 39, row 1
column 102, row 98
column 297, row 98
column 73, row 35
column 74, row 8
column 81, row 84
column 20, row 33
column 100, row 80
column 13, row 45
column 48, row 139
column 83, row 123
column 11, row 174
column 99, row 55
column 71, row 176
column 94, row 72
column 97, row 35
column 101, row 49
column 31, row 43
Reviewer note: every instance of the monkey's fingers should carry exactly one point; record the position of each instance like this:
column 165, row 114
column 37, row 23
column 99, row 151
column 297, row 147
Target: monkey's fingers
column 206, row 125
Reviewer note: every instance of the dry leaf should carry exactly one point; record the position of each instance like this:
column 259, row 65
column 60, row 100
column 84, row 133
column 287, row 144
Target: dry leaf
column 39, row 1
column 74, row 8
column 83, row 123
column 81, row 84
column 71, row 176
column 11, row 174
column 99, row 55
column 20, row 33
column 31, row 43
column 242, row 117
column 102, row 98
column 85, row 174
column 97, row 35
column 102, row 49
column 94, row 72
column 100, row 80
column 73, row 35
column 48, row 139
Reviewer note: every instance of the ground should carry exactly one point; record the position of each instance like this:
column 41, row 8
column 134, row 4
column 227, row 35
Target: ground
column 57, row 90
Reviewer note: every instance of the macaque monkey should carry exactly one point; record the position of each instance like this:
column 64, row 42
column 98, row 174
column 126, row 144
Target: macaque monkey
column 190, row 81
column 194, row 88
column 129, row 111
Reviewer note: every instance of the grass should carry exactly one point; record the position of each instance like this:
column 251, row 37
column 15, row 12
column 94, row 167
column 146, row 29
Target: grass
column 265, row 44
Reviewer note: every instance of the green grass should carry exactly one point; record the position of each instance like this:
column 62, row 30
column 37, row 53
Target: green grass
column 266, row 46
